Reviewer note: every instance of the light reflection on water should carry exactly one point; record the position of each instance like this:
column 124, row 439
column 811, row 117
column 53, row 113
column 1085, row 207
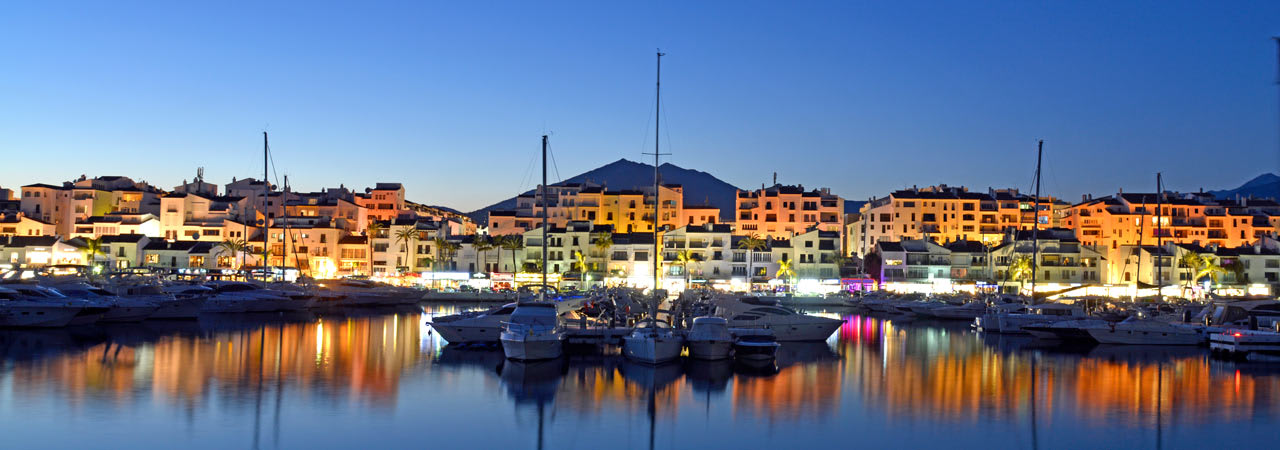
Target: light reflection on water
column 384, row 379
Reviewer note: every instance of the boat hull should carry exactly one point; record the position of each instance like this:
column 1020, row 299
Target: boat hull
column 462, row 334
column 531, row 348
column 710, row 349
column 1143, row 337
column 651, row 350
column 36, row 316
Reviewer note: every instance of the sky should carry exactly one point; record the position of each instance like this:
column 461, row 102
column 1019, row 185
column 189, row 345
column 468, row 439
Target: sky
column 451, row 98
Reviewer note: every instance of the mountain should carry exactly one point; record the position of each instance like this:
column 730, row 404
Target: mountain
column 699, row 187
column 1266, row 185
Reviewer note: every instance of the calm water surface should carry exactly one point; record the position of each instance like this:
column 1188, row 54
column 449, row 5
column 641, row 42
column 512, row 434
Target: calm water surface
column 383, row 380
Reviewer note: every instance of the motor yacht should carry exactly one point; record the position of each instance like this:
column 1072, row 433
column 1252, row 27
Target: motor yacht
column 709, row 338
column 1135, row 331
column 1004, row 321
column 168, row 306
column 786, row 323
column 473, row 327
column 1067, row 331
column 17, row 310
column 241, row 297
column 967, row 311
column 652, row 342
column 121, row 309
column 1248, row 345
column 90, row 311
column 533, row 333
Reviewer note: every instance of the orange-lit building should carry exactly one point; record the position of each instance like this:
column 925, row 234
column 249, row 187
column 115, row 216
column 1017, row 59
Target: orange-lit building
column 782, row 212
column 627, row 211
column 1130, row 219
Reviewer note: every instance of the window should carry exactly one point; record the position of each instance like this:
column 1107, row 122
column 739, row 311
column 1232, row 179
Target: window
column 153, row 258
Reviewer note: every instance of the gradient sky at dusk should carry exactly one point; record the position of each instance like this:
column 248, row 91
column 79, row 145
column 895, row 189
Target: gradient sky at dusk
column 451, row 97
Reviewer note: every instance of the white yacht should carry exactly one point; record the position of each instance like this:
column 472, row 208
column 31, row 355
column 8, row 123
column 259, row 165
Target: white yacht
column 122, row 309
column 533, row 333
column 967, row 311
column 17, row 310
column 168, row 306
column 786, row 323
column 1003, row 321
column 370, row 293
column 652, row 342
column 1134, row 331
column 473, row 327
column 1074, row 330
column 240, row 297
column 1249, row 345
column 709, row 338
column 89, row 311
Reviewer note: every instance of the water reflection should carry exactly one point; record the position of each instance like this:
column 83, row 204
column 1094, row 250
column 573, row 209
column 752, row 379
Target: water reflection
column 288, row 381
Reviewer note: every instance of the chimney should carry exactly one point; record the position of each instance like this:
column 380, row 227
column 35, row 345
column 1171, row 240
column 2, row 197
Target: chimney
column 1084, row 197
column 775, row 178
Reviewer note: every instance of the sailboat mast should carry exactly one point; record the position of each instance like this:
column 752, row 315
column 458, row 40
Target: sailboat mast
column 1159, row 237
column 657, row 119
column 266, row 186
column 542, row 293
column 288, row 237
column 1035, row 224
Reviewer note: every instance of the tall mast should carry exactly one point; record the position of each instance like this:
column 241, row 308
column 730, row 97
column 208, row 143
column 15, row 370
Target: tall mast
column 288, row 237
column 657, row 239
column 266, row 231
column 1159, row 237
column 1035, row 225
column 542, row 293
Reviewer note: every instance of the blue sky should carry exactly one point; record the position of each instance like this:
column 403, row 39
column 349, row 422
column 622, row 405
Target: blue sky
column 451, row 97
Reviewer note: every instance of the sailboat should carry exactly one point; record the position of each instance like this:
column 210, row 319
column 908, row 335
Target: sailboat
column 533, row 332
column 654, row 341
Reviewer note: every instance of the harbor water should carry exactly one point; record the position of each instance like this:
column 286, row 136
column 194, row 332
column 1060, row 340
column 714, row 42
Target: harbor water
column 382, row 379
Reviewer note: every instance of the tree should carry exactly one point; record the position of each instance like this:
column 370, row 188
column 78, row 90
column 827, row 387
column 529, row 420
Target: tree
column 1190, row 261
column 751, row 244
column 872, row 263
column 234, row 247
column 1019, row 270
column 786, row 272
column 482, row 244
column 1208, row 267
column 92, row 248
column 580, row 265
column 406, row 236
column 513, row 243
column 842, row 261
column 371, row 232
column 603, row 243
column 683, row 259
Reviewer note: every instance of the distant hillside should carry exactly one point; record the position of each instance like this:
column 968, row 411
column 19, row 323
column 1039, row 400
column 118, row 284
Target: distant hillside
column 699, row 187
column 1266, row 185
column 852, row 206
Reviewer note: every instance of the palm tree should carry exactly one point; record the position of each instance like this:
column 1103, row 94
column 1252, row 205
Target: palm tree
column 580, row 265
column 406, row 236
column 1019, row 270
column 371, row 232
column 232, row 246
column 751, row 244
column 514, row 243
column 602, row 244
column 1208, row 267
column 683, row 259
column 92, row 248
column 1191, row 262
column 786, row 272
column 481, row 245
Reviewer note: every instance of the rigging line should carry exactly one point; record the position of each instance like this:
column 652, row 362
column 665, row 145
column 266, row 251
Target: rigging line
column 272, row 157
column 648, row 119
column 552, row 153
column 524, row 177
column 667, row 129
